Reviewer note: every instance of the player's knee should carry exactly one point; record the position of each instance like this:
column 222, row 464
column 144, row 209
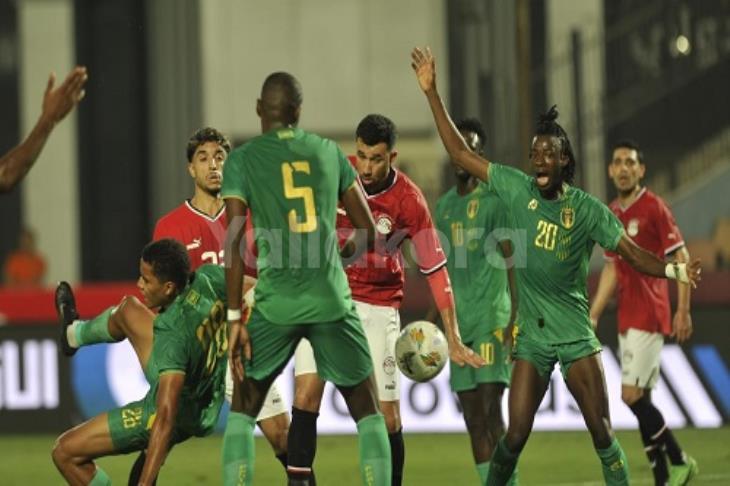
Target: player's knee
column 631, row 395
column 60, row 452
column 392, row 420
column 517, row 435
column 476, row 424
column 304, row 400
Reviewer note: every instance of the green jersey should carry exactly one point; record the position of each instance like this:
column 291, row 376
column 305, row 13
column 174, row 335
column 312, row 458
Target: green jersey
column 558, row 238
column 191, row 337
column 292, row 180
column 470, row 227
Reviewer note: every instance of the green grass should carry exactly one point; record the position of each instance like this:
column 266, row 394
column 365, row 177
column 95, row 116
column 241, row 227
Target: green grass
column 549, row 458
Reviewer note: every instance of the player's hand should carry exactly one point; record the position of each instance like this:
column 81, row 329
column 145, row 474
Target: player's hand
column 239, row 348
column 693, row 272
column 682, row 326
column 424, row 65
column 461, row 355
column 58, row 102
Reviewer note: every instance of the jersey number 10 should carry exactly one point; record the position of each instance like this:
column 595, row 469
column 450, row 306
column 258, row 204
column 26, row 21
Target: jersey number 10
column 305, row 193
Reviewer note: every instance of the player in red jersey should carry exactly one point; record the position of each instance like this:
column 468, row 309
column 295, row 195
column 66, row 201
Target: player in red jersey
column 643, row 308
column 376, row 280
column 200, row 224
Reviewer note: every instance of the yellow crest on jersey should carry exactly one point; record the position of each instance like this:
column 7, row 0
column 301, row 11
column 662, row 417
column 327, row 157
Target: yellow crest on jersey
column 472, row 208
column 567, row 217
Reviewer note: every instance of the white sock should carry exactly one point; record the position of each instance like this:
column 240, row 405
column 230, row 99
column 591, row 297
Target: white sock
column 71, row 333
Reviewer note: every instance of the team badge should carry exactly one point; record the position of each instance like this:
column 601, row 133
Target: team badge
column 384, row 225
column 567, row 217
column 389, row 365
column 633, row 227
column 532, row 205
column 472, row 208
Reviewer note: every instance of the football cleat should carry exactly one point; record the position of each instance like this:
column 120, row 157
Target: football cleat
column 66, row 311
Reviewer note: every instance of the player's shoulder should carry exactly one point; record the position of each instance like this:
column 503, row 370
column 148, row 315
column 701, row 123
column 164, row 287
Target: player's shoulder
column 579, row 197
column 653, row 200
column 403, row 186
column 172, row 217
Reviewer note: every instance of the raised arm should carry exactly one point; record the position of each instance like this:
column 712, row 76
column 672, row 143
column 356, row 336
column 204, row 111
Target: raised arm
column 424, row 65
column 168, row 397
column 648, row 263
column 57, row 103
column 239, row 345
column 606, row 288
column 357, row 210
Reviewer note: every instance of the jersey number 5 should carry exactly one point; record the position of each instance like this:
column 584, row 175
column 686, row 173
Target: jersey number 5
column 305, row 193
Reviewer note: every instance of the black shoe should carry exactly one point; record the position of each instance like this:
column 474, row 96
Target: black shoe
column 66, row 311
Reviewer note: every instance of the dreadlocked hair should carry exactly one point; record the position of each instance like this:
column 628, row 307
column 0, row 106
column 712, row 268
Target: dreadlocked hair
column 547, row 125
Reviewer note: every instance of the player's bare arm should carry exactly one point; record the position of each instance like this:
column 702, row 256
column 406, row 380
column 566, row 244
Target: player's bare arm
column 168, row 398
column 606, row 288
column 648, row 263
column 239, row 343
column 57, row 103
column 424, row 65
column 508, row 252
column 362, row 219
column 682, row 322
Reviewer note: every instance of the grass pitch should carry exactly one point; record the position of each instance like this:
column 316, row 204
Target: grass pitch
column 550, row 458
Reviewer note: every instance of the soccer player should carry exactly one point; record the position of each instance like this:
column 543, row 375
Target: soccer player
column 57, row 103
column 182, row 351
column 400, row 212
column 562, row 223
column 292, row 180
column 472, row 221
column 644, row 310
column 200, row 224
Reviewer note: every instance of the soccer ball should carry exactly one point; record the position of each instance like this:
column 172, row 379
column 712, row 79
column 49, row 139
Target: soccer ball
column 421, row 351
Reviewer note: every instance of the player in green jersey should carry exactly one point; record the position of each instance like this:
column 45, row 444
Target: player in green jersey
column 472, row 221
column 182, row 351
column 562, row 224
column 292, row 181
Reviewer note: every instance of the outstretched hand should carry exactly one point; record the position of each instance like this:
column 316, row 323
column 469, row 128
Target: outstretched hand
column 239, row 348
column 424, row 65
column 461, row 355
column 58, row 102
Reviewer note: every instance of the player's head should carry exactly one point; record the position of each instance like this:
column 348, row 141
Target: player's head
column 473, row 132
column 551, row 154
column 626, row 168
column 206, row 152
column 375, row 149
column 281, row 100
column 164, row 270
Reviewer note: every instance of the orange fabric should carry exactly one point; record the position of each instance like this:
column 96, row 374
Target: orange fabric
column 23, row 269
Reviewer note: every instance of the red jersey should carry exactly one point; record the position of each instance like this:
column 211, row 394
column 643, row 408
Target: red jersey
column 400, row 212
column 203, row 236
column 643, row 301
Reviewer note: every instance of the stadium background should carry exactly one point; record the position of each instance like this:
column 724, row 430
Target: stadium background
column 653, row 70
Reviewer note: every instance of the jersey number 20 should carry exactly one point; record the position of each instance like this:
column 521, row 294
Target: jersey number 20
column 305, row 193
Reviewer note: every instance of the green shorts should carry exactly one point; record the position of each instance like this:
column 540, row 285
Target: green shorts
column 130, row 425
column 544, row 356
column 340, row 348
column 497, row 370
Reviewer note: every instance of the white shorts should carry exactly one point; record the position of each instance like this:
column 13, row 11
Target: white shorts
column 640, row 353
column 273, row 403
column 382, row 326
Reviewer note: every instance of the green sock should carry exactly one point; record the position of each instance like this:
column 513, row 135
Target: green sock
column 502, row 465
column 239, row 452
column 94, row 330
column 375, row 465
column 483, row 471
column 100, row 478
column 615, row 466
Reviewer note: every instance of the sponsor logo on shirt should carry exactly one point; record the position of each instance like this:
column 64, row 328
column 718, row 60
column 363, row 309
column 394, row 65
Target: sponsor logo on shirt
column 633, row 227
column 195, row 244
column 532, row 205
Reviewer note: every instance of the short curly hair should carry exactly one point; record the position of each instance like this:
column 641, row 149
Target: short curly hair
column 375, row 129
column 203, row 135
